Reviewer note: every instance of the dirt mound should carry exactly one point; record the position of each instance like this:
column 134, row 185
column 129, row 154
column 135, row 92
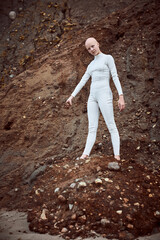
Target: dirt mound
column 84, row 197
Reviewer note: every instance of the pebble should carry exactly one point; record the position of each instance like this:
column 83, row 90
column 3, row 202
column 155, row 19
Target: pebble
column 74, row 216
column 157, row 213
column 83, row 218
column 113, row 166
column 98, row 168
column 43, row 215
column 11, row 76
column 87, row 161
column 130, row 226
column 82, row 184
column 61, row 198
column 64, row 230
column 104, row 221
column 56, row 190
column 37, row 191
column 108, row 180
column 70, row 206
column 136, row 204
column 73, row 185
column 98, row 181
column 78, row 179
column 12, row 15
column 119, row 212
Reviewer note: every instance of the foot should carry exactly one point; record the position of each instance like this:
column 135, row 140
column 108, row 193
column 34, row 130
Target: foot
column 117, row 157
column 84, row 156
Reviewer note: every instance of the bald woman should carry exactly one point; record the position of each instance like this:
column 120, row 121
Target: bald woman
column 100, row 98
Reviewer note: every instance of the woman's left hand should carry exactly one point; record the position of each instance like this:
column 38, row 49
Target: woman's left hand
column 121, row 103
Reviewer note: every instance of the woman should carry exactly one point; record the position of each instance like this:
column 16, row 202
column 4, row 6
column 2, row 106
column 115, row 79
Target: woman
column 100, row 97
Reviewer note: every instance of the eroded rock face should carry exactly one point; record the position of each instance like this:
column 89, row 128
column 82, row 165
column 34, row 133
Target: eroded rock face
column 38, row 122
column 40, row 25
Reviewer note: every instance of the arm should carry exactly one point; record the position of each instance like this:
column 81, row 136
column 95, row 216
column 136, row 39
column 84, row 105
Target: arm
column 80, row 85
column 113, row 70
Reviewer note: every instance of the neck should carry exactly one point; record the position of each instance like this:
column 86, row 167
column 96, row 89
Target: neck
column 98, row 55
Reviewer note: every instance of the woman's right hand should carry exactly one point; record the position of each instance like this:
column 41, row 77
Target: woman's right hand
column 69, row 101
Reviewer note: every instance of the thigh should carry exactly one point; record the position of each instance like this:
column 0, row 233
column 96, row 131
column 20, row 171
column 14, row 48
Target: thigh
column 93, row 111
column 106, row 107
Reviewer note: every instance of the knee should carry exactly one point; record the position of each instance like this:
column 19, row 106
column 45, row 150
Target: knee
column 112, row 128
column 92, row 129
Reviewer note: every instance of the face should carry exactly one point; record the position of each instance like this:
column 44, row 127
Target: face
column 92, row 46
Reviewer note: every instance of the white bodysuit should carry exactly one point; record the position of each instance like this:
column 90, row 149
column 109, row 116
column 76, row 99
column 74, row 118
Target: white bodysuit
column 100, row 70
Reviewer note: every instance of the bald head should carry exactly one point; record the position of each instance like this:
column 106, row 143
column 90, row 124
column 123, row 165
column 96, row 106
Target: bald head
column 92, row 46
column 90, row 40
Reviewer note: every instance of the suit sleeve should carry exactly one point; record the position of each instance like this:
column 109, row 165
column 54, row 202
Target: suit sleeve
column 82, row 82
column 113, row 71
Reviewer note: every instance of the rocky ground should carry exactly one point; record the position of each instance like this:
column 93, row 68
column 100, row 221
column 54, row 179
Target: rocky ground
column 40, row 139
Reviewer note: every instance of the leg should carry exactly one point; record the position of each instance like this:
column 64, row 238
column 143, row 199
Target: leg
column 93, row 116
column 106, row 107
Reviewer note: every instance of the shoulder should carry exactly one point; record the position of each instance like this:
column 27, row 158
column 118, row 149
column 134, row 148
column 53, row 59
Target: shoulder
column 90, row 64
column 109, row 58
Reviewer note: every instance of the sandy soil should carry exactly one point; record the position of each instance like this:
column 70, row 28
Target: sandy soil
column 14, row 225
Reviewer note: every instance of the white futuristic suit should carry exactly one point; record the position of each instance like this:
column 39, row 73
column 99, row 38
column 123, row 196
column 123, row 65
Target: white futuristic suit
column 100, row 70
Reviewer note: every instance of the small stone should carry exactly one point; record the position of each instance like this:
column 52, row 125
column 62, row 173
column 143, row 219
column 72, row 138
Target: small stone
column 56, row 190
column 113, row 166
column 43, row 215
column 83, row 219
column 16, row 189
column 37, row 191
column 126, row 200
column 11, row 75
column 98, row 168
column 148, row 177
column 98, row 181
column 157, row 214
column 70, row 206
column 119, row 212
column 138, row 148
column 82, row 184
column 12, row 15
column 78, row 179
column 136, row 204
column 64, row 230
column 104, row 221
column 129, row 217
column 62, row 198
column 154, row 120
column 20, row 9
column 108, row 180
column 87, row 161
column 66, row 145
column 66, row 166
column 74, row 216
column 130, row 226
column 73, row 185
